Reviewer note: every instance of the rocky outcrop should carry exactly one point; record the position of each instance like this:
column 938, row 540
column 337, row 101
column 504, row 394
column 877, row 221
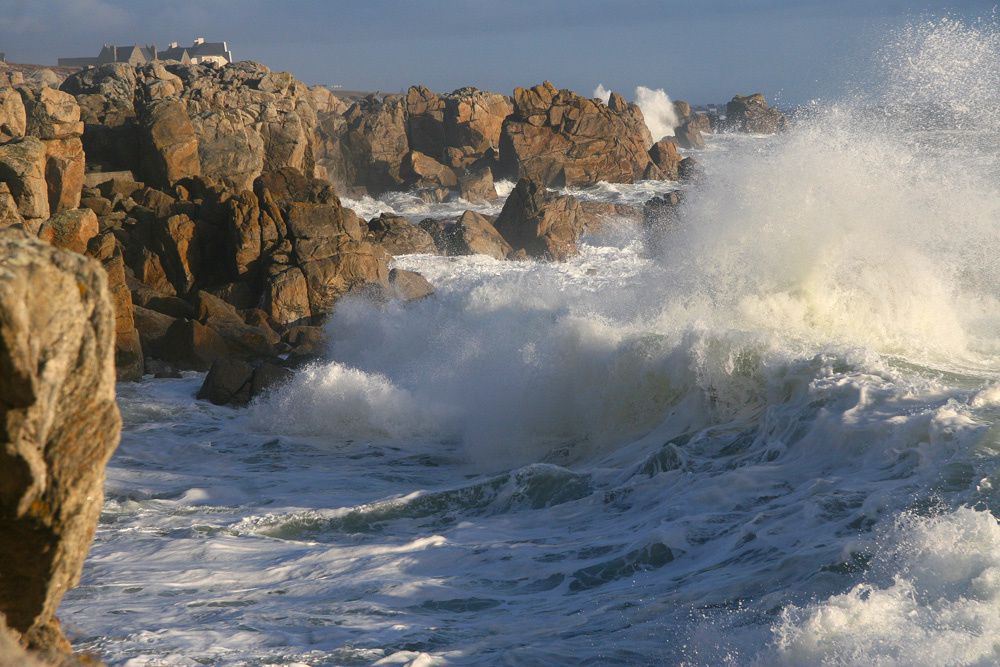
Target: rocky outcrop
column 22, row 168
column 245, row 119
column 477, row 186
column 559, row 138
column 13, row 118
column 541, row 224
column 368, row 145
column 752, row 114
column 60, row 427
column 473, row 120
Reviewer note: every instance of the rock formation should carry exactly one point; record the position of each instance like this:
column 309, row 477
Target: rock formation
column 540, row 224
column 751, row 114
column 60, row 427
column 559, row 138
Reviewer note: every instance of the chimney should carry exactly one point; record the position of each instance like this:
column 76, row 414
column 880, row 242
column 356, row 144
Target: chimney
column 198, row 41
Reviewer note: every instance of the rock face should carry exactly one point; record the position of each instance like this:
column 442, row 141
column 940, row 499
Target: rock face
column 559, row 138
column 473, row 120
column 752, row 114
column 665, row 156
column 540, row 224
column 400, row 237
column 22, row 168
column 245, row 119
column 60, row 426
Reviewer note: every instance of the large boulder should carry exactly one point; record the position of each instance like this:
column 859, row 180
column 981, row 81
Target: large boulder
column 65, row 167
column 60, row 427
column 665, row 156
column 372, row 144
column 51, row 114
column 399, row 236
column 477, row 186
column 71, row 230
column 474, row 234
column 425, row 121
column 559, row 138
column 541, row 224
column 422, row 171
column 751, row 113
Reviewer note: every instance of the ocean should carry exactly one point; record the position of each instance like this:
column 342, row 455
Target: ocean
column 767, row 436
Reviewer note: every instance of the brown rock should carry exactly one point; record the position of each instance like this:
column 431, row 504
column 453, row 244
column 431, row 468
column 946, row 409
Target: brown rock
column 373, row 143
column 399, row 236
column 227, row 382
column 688, row 169
column 543, row 225
column 408, row 285
column 688, row 136
column 57, row 389
column 559, row 138
column 64, row 173
column 52, row 114
column 474, row 234
column 664, row 154
column 71, row 230
column 171, row 145
column 128, row 346
column 752, row 114
column 152, row 327
column 425, row 121
column 287, row 297
column 477, row 187
column 472, row 123
column 594, row 216
column 22, row 168
column 13, row 119
column 9, row 215
column 423, row 171
column 190, row 345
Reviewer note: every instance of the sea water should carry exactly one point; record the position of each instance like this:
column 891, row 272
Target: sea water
column 769, row 437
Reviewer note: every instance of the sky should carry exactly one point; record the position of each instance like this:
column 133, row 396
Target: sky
column 699, row 50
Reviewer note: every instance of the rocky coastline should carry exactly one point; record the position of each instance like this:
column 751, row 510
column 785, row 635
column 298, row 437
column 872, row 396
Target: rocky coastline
column 168, row 217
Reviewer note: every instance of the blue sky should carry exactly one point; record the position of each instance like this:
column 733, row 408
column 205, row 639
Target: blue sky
column 700, row 50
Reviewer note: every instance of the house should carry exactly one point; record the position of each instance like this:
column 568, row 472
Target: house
column 199, row 52
column 133, row 55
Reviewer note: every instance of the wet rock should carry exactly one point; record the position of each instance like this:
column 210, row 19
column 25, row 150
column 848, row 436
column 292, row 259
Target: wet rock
column 62, row 424
column 688, row 136
column 474, row 234
column 542, row 225
column 477, row 187
column 408, row 285
column 399, row 236
column 227, row 382
column 665, row 156
column 190, row 345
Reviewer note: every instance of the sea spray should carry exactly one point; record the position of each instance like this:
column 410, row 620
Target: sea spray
column 657, row 109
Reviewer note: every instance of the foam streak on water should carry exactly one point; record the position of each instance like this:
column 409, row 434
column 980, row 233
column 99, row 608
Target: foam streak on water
column 771, row 441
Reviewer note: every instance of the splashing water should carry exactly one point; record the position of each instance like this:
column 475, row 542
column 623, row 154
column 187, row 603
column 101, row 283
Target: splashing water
column 771, row 441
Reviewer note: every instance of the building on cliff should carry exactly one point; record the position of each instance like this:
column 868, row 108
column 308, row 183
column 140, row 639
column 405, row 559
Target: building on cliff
column 199, row 52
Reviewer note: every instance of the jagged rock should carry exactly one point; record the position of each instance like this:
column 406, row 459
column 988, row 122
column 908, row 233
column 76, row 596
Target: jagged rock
column 189, row 345
column 9, row 215
column 688, row 169
column 472, row 123
column 425, row 121
column 659, row 215
column 61, row 425
column 751, row 114
column 373, row 143
column 665, row 156
column 477, row 187
column 408, row 285
column 152, row 327
column 540, row 224
column 399, row 236
column 288, row 185
column 558, row 138
column 22, row 168
column 51, row 114
column 170, row 143
column 305, row 342
column 474, row 234
column 71, row 230
column 235, row 382
column 438, row 229
column 241, row 338
column 246, row 119
column 128, row 347
column 688, row 136
column 13, row 118
column 287, row 296
column 423, row 171
column 65, row 167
